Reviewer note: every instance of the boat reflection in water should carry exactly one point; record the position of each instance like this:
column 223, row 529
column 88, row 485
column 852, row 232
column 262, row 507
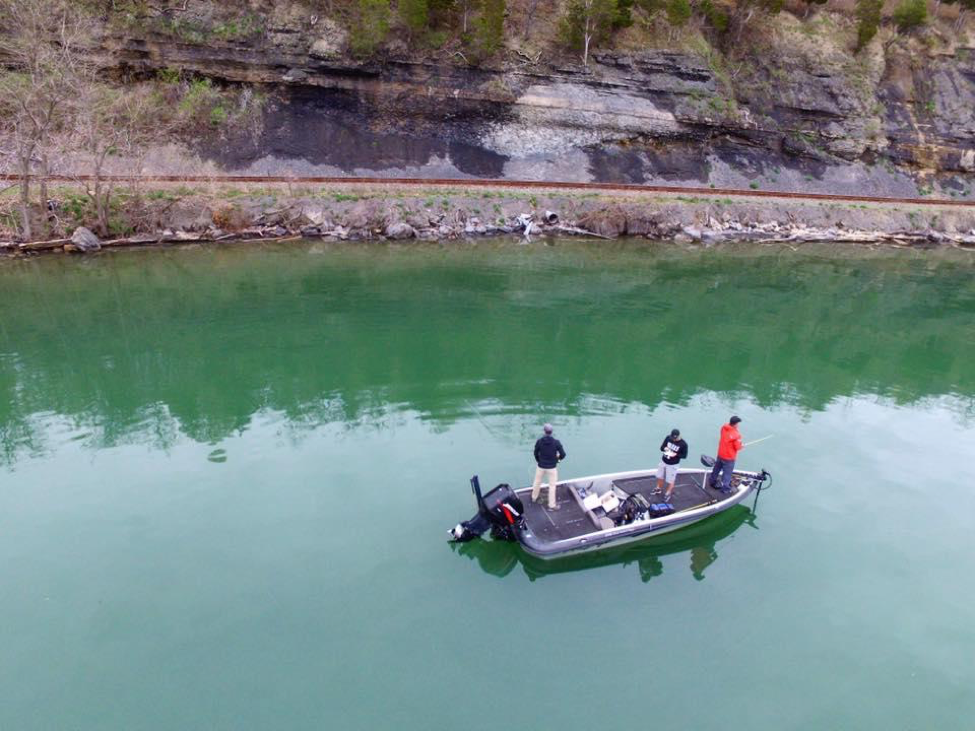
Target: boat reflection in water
column 699, row 541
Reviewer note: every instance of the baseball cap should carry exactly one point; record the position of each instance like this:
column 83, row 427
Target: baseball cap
column 733, row 420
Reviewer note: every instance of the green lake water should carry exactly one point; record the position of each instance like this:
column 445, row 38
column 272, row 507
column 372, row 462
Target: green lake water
column 226, row 477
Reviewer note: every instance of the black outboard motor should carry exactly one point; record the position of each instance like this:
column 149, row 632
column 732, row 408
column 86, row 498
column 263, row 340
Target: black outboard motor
column 501, row 510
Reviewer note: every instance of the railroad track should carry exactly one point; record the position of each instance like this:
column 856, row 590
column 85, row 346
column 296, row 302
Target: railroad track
column 489, row 183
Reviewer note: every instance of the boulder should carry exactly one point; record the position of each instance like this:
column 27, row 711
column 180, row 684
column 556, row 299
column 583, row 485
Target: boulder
column 315, row 215
column 84, row 240
column 400, row 230
column 364, row 214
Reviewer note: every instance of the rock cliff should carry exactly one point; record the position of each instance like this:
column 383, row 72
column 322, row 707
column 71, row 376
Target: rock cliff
column 791, row 108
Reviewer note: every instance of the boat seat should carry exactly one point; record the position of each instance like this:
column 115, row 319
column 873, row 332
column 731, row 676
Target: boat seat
column 601, row 522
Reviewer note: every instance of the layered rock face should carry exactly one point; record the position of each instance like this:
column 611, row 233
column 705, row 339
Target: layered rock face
column 798, row 111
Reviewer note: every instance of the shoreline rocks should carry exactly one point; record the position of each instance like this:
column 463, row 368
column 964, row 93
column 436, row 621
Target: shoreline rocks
column 525, row 231
column 458, row 214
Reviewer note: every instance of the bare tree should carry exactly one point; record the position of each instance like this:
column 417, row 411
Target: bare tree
column 41, row 46
column 110, row 122
column 586, row 22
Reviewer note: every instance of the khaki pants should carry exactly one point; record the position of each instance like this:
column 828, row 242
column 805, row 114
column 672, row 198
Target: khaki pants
column 550, row 474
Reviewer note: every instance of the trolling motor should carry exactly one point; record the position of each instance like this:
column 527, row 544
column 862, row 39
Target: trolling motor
column 501, row 510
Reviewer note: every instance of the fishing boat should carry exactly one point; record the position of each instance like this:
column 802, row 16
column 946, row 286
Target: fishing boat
column 602, row 511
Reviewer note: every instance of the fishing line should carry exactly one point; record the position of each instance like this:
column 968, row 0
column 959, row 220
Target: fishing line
column 480, row 418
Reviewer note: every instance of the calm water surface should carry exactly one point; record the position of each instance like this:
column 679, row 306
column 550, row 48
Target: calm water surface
column 226, row 477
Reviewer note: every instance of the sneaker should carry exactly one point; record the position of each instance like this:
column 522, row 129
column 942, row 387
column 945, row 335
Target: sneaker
column 557, row 507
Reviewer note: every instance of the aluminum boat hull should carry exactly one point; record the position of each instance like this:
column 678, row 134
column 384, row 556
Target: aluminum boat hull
column 550, row 535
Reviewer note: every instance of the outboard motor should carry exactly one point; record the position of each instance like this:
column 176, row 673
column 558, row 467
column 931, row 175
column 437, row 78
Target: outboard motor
column 501, row 510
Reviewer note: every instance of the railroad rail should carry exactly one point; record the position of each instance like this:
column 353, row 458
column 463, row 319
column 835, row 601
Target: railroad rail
column 505, row 183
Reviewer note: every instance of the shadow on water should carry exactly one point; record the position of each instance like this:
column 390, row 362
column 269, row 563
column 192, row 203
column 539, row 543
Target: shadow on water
column 699, row 542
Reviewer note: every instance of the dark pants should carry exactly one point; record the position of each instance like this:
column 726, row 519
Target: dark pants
column 726, row 466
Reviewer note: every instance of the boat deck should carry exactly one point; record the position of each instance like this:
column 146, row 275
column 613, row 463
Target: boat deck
column 571, row 521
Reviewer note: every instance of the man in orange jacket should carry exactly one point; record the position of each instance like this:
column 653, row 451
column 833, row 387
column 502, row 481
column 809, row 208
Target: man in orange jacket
column 728, row 447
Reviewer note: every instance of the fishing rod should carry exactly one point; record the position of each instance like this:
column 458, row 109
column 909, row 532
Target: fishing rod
column 756, row 441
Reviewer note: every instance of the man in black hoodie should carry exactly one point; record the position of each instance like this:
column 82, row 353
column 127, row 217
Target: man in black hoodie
column 674, row 450
column 548, row 454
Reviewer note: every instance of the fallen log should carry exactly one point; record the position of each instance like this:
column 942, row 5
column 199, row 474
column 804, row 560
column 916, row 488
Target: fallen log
column 581, row 232
column 43, row 245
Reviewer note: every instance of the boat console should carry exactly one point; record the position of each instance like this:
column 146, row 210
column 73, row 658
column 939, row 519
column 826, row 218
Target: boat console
column 614, row 506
